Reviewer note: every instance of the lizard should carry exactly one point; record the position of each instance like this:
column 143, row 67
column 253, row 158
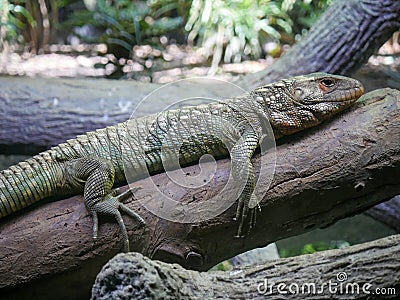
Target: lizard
column 94, row 162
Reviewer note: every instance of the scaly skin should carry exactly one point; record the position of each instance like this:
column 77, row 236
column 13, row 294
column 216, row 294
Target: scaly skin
column 94, row 162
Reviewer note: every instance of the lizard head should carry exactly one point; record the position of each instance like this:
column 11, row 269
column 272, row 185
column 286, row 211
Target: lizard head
column 324, row 94
column 300, row 102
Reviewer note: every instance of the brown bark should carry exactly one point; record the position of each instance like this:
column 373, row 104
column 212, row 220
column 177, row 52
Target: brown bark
column 296, row 276
column 45, row 112
column 322, row 175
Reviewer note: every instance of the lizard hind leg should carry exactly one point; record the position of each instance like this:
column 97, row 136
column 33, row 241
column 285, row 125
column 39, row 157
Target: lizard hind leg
column 98, row 175
column 243, row 172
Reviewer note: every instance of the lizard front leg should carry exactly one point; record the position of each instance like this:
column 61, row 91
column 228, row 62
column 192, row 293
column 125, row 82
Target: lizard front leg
column 243, row 171
column 97, row 175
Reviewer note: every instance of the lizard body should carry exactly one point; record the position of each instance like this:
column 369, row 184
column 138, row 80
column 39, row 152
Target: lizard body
column 92, row 163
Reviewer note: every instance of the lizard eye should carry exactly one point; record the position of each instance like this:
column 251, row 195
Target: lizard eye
column 327, row 82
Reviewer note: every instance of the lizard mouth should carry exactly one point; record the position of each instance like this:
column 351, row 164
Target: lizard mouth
column 338, row 96
column 349, row 94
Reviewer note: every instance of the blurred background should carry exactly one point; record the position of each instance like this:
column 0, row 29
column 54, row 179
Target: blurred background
column 153, row 40
column 164, row 40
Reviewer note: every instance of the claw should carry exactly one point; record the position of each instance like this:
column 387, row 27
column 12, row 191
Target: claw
column 111, row 206
column 95, row 224
column 254, row 201
column 132, row 214
column 121, row 223
column 247, row 215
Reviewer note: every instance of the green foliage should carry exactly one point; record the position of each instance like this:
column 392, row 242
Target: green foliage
column 236, row 27
column 29, row 21
column 229, row 30
column 304, row 13
column 125, row 23
column 122, row 24
column 226, row 265
column 14, row 19
column 313, row 247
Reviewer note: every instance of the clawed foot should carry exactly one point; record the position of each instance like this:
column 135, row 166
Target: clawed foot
column 112, row 205
column 246, row 213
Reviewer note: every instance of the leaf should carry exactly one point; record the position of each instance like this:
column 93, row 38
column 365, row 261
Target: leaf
column 99, row 66
column 120, row 42
column 22, row 10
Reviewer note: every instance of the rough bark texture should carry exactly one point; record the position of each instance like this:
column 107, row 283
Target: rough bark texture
column 45, row 112
column 40, row 113
column 388, row 213
column 322, row 175
column 348, row 269
column 342, row 40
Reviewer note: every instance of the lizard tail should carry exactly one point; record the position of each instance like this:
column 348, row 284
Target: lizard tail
column 27, row 182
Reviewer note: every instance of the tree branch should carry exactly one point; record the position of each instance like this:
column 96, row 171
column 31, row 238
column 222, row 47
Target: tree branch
column 340, row 42
column 387, row 212
column 46, row 112
column 322, row 175
column 296, row 276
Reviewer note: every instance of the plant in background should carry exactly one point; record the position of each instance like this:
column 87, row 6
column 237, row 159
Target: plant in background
column 126, row 23
column 304, row 13
column 15, row 18
column 236, row 28
column 228, row 30
column 123, row 24
column 29, row 22
column 310, row 248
